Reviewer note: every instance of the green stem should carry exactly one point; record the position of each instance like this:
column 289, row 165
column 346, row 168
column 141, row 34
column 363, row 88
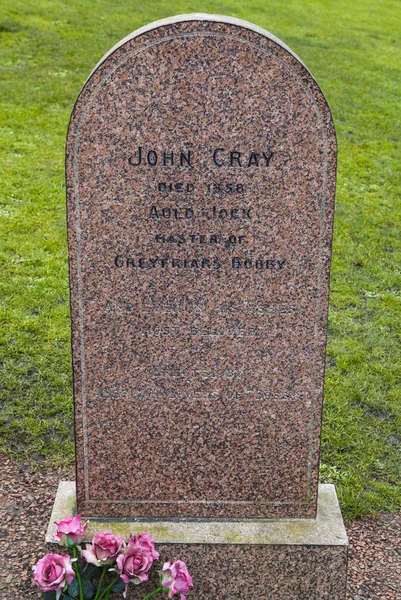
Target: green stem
column 159, row 589
column 100, row 582
column 107, row 590
column 77, row 573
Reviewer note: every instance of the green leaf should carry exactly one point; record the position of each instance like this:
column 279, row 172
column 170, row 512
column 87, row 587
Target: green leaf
column 73, row 588
column 88, row 589
column 49, row 596
column 119, row 586
column 91, row 572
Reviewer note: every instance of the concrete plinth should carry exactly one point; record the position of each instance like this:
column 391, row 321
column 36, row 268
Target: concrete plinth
column 283, row 559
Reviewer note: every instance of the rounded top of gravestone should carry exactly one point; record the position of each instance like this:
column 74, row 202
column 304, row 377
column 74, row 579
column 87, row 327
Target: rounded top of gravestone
column 198, row 17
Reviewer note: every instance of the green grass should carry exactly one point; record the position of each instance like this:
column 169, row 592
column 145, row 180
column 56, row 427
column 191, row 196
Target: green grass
column 48, row 47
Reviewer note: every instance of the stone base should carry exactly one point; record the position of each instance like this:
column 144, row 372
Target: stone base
column 283, row 559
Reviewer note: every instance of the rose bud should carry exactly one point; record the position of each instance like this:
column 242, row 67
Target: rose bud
column 145, row 540
column 72, row 527
column 176, row 579
column 134, row 564
column 53, row 572
column 104, row 549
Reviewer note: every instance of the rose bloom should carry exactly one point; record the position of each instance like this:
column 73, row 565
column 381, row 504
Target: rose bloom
column 70, row 526
column 176, row 579
column 134, row 563
column 145, row 540
column 104, row 549
column 53, row 572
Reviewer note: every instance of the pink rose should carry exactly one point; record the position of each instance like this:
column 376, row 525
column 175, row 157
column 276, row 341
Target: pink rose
column 176, row 578
column 104, row 549
column 70, row 526
column 134, row 563
column 145, row 540
column 53, row 572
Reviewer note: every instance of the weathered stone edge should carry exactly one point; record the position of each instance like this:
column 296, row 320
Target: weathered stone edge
column 326, row 530
column 198, row 17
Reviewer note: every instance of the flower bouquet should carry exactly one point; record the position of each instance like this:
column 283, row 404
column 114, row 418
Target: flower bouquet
column 105, row 566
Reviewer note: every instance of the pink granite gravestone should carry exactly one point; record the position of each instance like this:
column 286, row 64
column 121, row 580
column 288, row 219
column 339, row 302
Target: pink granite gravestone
column 201, row 165
column 201, row 161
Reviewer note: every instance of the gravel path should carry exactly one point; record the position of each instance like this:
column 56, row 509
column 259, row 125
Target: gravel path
column 374, row 569
column 27, row 496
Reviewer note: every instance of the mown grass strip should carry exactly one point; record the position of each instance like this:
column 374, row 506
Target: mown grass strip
column 48, row 47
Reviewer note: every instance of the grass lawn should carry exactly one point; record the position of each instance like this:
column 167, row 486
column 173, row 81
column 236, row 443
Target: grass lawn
column 48, row 48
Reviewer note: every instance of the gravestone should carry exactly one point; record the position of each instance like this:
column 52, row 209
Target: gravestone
column 201, row 160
